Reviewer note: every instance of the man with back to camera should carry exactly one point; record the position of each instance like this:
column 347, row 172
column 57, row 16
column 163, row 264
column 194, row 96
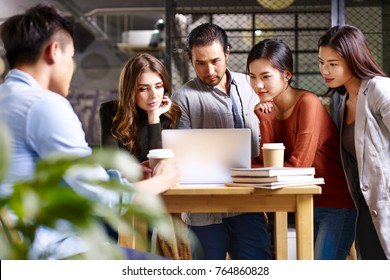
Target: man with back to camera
column 219, row 98
column 39, row 49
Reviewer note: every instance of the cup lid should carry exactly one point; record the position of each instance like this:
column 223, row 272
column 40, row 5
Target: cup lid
column 161, row 153
column 273, row 146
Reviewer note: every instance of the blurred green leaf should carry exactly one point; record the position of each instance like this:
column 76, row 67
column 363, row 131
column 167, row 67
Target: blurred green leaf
column 45, row 200
column 5, row 150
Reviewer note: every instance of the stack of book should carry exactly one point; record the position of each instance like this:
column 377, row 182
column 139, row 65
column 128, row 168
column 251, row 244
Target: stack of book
column 275, row 177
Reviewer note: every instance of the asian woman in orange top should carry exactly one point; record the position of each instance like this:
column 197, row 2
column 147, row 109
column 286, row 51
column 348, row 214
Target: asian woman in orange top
column 297, row 118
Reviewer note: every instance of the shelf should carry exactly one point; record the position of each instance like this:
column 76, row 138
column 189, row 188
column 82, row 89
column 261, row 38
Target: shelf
column 139, row 48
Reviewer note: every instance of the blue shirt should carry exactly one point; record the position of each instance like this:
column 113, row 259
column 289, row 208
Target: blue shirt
column 43, row 122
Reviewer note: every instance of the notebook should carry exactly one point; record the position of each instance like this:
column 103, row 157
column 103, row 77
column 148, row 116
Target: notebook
column 205, row 156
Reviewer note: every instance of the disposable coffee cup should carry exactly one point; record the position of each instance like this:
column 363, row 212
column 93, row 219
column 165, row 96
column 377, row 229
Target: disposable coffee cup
column 156, row 155
column 273, row 154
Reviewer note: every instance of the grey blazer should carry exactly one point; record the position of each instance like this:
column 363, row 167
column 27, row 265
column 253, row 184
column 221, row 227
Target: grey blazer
column 372, row 144
column 201, row 107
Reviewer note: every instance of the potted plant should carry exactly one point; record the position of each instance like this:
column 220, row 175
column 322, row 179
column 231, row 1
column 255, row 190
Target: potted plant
column 45, row 201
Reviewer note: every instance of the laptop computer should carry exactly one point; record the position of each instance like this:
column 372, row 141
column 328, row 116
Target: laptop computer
column 205, row 156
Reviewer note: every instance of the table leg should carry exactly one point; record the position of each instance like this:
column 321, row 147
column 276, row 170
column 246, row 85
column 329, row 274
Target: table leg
column 281, row 244
column 304, row 227
column 138, row 240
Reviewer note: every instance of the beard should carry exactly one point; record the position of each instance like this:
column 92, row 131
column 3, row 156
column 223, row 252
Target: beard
column 212, row 81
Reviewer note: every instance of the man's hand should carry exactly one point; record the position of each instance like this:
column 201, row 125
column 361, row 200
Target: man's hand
column 169, row 171
column 164, row 176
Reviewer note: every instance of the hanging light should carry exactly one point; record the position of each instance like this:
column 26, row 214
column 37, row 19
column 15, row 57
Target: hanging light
column 261, row 32
column 275, row 4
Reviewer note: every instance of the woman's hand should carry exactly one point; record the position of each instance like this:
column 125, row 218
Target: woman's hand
column 265, row 107
column 146, row 169
column 154, row 116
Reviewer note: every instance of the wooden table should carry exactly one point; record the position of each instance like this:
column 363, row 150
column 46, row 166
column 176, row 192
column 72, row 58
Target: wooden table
column 230, row 198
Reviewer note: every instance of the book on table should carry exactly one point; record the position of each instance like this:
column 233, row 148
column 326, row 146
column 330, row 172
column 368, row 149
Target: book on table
column 274, row 177
column 278, row 185
column 271, row 179
column 271, row 171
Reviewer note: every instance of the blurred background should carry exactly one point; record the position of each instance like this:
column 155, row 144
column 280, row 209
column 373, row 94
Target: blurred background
column 108, row 32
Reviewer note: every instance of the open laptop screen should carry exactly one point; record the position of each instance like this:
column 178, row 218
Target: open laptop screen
column 205, row 156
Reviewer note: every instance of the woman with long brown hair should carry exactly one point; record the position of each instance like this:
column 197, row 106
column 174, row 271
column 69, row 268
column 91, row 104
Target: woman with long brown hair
column 134, row 121
column 349, row 69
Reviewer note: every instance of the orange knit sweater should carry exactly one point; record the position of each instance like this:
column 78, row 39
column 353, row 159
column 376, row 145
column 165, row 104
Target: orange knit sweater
column 311, row 138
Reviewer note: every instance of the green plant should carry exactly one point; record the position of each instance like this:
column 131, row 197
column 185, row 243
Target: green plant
column 44, row 200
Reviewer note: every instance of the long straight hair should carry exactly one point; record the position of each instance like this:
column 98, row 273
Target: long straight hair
column 125, row 123
column 349, row 42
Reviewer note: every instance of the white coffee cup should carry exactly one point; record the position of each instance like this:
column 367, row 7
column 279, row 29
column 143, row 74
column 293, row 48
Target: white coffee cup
column 273, row 154
column 156, row 155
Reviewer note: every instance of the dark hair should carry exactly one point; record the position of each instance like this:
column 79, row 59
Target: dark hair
column 24, row 35
column 125, row 123
column 205, row 34
column 274, row 50
column 349, row 42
